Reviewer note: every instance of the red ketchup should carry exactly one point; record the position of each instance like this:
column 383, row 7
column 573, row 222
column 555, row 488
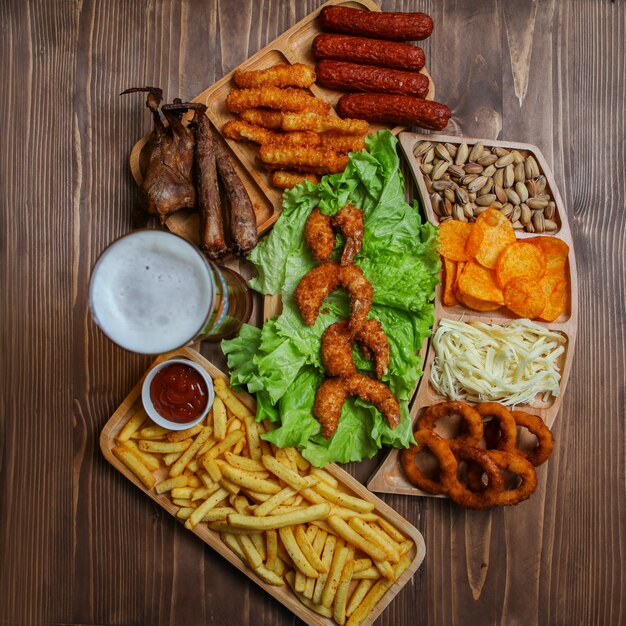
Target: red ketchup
column 178, row 393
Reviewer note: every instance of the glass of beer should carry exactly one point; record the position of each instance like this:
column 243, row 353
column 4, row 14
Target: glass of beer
column 152, row 291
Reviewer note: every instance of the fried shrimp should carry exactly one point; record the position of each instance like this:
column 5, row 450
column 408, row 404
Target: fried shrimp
column 281, row 75
column 239, row 100
column 318, row 233
column 322, row 280
column 333, row 392
column 372, row 337
column 337, row 350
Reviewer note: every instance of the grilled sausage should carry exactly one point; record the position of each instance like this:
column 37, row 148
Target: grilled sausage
column 355, row 77
column 383, row 25
column 243, row 229
column 392, row 54
column 393, row 109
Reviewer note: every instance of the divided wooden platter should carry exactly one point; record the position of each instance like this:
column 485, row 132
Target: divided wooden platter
column 389, row 477
column 293, row 46
column 133, row 401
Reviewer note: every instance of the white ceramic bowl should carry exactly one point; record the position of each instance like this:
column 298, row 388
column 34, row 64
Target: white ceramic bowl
column 156, row 417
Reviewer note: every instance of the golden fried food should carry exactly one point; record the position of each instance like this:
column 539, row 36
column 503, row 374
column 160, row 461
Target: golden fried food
column 239, row 100
column 281, row 75
column 238, row 130
column 302, row 159
column 360, row 291
column 286, row 180
column 263, row 117
column 336, row 350
column 314, row 287
column 373, row 340
column 333, row 392
column 323, row 123
column 340, row 142
column 319, row 235
column 349, row 220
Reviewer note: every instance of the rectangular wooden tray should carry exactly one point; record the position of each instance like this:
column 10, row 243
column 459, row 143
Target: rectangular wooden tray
column 293, row 46
column 283, row 594
column 389, row 477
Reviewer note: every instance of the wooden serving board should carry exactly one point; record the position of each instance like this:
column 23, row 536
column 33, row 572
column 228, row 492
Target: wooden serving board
column 283, row 594
column 389, row 477
column 293, row 46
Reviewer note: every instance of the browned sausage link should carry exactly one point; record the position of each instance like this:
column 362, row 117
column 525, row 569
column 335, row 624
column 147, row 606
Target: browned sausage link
column 392, row 109
column 403, row 56
column 355, row 77
column 242, row 218
column 211, row 226
column 384, row 25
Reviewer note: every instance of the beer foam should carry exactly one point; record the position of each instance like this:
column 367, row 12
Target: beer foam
column 151, row 291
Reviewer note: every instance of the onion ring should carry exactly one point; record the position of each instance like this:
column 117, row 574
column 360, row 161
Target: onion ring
column 440, row 449
column 521, row 467
column 459, row 493
column 545, row 439
column 505, row 436
column 473, row 424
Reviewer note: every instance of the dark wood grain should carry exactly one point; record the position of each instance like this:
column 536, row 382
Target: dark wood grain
column 78, row 544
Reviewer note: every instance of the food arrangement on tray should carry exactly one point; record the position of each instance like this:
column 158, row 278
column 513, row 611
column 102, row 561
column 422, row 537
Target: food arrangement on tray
column 343, row 367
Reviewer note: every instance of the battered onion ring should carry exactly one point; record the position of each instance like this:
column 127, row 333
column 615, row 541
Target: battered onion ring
column 545, row 439
column 459, row 493
column 503, row 421
column 473, row 424
column 439, row 447
column 521, row 467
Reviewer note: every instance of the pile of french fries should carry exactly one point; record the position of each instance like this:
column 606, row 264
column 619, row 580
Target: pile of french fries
column 289, row 521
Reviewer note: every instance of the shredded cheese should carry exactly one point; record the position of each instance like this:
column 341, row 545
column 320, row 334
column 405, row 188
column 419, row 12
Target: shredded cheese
column 509, row 363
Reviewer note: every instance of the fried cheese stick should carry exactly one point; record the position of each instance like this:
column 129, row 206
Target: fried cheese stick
column 287, row 180
column 323, row 123
column 263, row 117
column 282, row 75
column 302, row 159
column 275, row 98
column 239, row 130
column 339, row 142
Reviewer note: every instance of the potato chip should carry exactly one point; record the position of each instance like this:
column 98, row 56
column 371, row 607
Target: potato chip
column 520, row 260
column 449, row 278
column 453, row 236
column 524, row 297
column 480, row 282
column 555, row 252
column 554, row 290
column 491, row 234
column 474, row 303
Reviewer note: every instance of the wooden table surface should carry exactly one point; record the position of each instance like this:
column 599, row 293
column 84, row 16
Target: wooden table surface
column 78, row 543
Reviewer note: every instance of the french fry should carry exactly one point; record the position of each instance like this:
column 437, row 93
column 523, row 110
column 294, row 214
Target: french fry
column 163, row 447
column 135, row 466
column 184, row 502
column 149, row 460
column 314, row 512
column 231, row 541
column 212, row 468
column 252, row 556
column 362, row 564
column 348, row 514
column 293, row 479
column 230, row 486
column 184, row 512
column 239, row 447
column 179, row 435
column 308, row 551
column 294, row 551
column 331, row 545
column 332, row 582
column 302, row 464
column 192, row 479
column 268, row 576
column 391, row 530
column 171, row 457
column 233, row 403
column 191, row 451
column 219, row 418
column 132, row 425
column 283, row 458
column 343, row 499
column 351, row 536
column 341, row 597
column 299, row 582
column 182, row 492
column 278, row 498
column 324, row 476
column 244, row 463
column 359, row 593
column 206, row 506
column 365, row 530
column 384, row 567
column 318, row 546
column 218, row 514
column 271, row 548
column 153, row 432
column 371, row 573
column 230, row 440
column 252, row 437
column 249, row 480
column 318, row 608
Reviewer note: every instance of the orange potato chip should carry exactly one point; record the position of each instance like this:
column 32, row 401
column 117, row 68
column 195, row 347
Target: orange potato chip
column 474, row 303
column 554, row 290
column 453, row 236
column 480, row 283
column 491, row 234
column 520, row 260
column 450, row 268
column 555, row 251
column 524, row 297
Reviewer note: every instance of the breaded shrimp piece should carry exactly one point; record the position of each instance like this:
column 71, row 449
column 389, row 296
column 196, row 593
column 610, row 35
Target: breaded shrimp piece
column 337, row 350
column 340, row 142
column 323, row 123
column 263, row 117
column 333, row 392
column 275, row 98
column 314, row 287
column 319, row 235
column 360, row 290
column 349, row 220
column 329, row 401
column 302, row 159
column 288, row 180
column 281, row 75
column 376, row 393
column 373, row 338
